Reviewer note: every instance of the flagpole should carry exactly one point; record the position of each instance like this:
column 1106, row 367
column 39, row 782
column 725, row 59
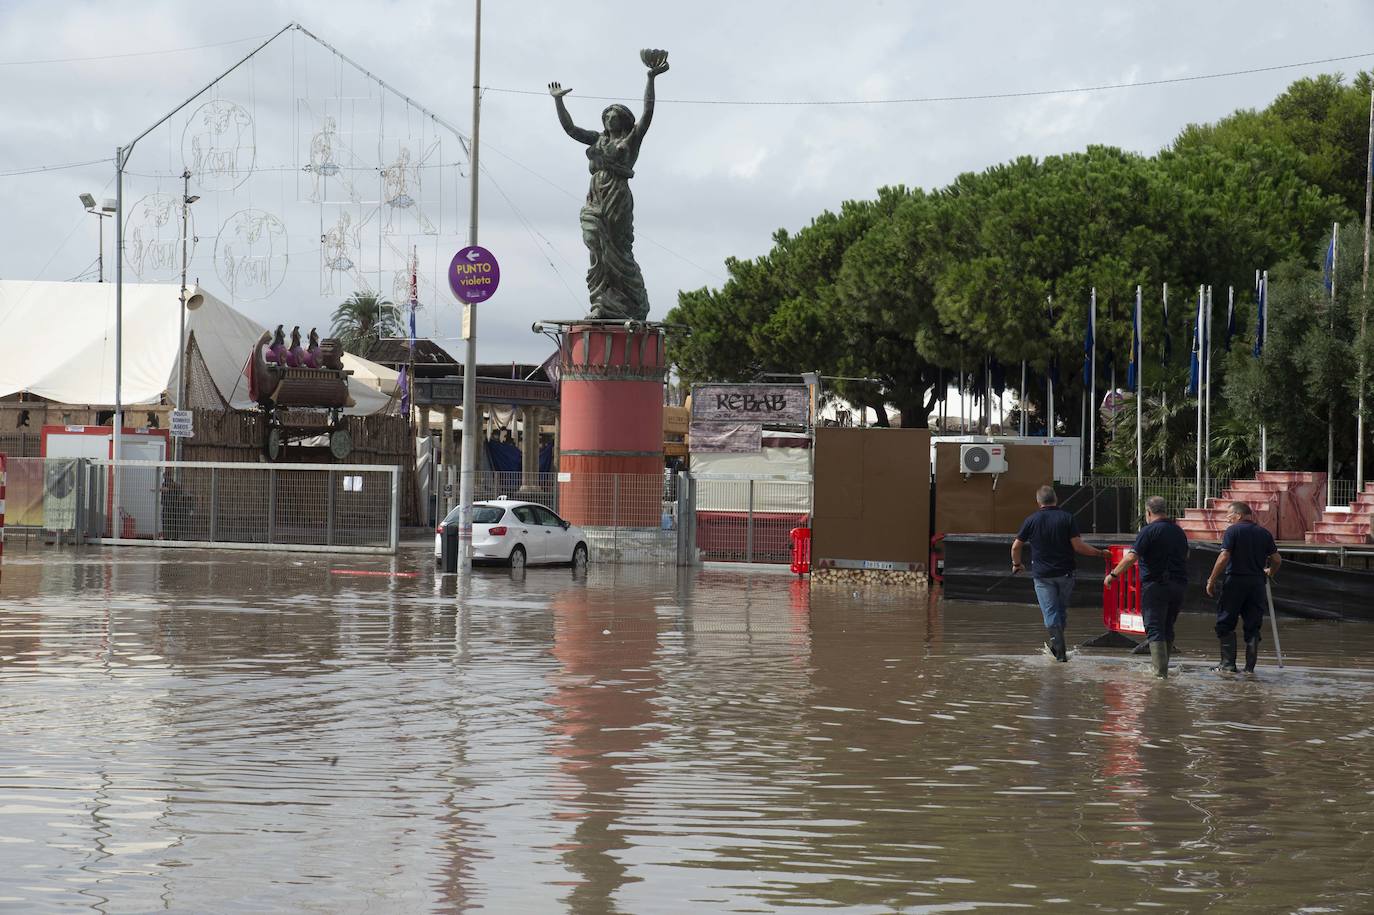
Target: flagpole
column 1049, row 381
column 1092, row 398
column 1139, row 349
column 1207, row 374
column 1261, row 280
column 1023, row 398
column 1364, row 304
column 1199, row 330
column 1164, row 388
column 1331, row 407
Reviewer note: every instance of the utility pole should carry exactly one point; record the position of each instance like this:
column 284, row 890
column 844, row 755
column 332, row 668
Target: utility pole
column 469, row 465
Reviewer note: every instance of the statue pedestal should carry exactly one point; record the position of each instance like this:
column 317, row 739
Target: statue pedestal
column 611, row 426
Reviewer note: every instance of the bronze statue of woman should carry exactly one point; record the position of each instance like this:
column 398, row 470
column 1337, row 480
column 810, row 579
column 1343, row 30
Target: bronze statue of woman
column 614, row 282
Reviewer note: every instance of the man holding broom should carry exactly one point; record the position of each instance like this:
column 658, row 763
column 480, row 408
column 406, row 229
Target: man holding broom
column 1248, row 555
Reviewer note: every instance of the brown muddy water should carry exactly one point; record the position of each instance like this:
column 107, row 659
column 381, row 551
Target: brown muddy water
column 203, row 732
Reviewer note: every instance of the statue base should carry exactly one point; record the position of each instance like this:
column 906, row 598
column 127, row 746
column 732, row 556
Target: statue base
column 611, row 425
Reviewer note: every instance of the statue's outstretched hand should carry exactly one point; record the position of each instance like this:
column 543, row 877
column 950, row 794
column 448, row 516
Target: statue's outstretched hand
column 655, row 59
column 557, row 90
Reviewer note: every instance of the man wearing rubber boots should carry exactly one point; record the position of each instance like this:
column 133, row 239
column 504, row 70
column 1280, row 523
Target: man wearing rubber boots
column 1053, row 537
column 1248, row 554
column 1161, row 548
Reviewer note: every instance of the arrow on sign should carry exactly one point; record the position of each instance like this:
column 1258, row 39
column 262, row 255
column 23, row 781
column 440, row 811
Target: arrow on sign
column 473, row 255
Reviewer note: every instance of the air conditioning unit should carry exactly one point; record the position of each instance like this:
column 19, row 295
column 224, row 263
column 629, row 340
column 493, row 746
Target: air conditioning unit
column 987, row 458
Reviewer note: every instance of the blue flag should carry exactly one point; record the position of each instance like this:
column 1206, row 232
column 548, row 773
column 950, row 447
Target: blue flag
column 1133, row 370
column 1329, row 264
column 1261, row 293
column 1199, row 346
column 1166, row 350
column 1089, row 342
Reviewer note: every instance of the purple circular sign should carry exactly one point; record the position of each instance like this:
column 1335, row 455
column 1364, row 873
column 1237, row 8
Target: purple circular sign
column 474, row 274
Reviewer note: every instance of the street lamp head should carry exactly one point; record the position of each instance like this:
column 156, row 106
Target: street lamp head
column 192, row 199
column 88, row 201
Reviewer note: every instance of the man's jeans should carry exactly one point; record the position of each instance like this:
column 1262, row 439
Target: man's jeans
column 1053, row 596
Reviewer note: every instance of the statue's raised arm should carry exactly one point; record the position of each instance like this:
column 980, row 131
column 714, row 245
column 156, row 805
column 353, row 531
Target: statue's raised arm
column 657, row 62
column 581, row 135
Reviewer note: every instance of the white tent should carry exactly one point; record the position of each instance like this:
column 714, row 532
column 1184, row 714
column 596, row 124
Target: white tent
column 57, row 340
column 372, row 374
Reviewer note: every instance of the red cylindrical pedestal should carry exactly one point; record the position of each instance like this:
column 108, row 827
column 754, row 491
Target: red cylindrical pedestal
column 611, row 426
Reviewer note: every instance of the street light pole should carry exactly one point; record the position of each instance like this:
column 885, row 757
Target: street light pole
column 101, row 212
column 186, row 200
column 468, row 470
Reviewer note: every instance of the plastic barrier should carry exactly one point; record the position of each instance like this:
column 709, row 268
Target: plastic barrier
column 801, row 550
column 1121, row 611
column 937, row 557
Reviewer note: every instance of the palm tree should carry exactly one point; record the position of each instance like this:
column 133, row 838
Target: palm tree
column 363, row 319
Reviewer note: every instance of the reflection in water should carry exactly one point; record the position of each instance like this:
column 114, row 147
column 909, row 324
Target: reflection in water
column 184, row 727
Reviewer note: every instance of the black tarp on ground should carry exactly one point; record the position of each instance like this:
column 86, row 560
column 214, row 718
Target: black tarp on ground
column 976, row 567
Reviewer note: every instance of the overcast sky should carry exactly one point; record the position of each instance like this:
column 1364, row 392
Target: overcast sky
column 713, row 180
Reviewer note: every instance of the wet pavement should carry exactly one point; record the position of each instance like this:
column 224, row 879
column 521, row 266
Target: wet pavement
column 206, row 732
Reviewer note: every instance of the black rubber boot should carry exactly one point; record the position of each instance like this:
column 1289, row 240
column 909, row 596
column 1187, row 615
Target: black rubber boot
column 1228, row 653
column 1251, row 654
column 1159, row 659
column 1057, row 647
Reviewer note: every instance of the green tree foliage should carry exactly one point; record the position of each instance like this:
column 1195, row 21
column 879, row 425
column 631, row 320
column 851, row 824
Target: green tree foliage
column 909, row 287
column 362, row 320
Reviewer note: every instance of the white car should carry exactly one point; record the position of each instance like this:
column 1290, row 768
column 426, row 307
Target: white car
column 519, row 534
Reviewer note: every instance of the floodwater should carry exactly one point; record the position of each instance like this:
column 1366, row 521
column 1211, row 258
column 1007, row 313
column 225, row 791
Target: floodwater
column 203, row 732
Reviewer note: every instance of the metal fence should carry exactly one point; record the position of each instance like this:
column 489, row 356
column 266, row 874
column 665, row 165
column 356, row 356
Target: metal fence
column 339, row 508
column 1106, row 505
column 1342, row 492
column 675, row 518
column 748, row 519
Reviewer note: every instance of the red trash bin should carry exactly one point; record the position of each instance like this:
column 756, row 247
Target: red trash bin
column 801, row 550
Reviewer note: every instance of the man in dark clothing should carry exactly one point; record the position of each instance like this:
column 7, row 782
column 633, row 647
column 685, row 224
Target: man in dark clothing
column 1248, row 555
column 1161, row 548
column 1053, row 537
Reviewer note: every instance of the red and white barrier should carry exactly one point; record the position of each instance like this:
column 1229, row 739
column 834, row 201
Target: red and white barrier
column 1121, row 608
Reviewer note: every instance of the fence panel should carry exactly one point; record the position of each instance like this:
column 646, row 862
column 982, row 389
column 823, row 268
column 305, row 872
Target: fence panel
column 744, row 519
column 1107, row 505
column 43, row 493
column 313, row 507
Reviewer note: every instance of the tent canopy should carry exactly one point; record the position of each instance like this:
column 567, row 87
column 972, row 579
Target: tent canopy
column 57, row 340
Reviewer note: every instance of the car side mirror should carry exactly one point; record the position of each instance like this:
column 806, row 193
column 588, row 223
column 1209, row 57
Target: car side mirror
column 566, row 525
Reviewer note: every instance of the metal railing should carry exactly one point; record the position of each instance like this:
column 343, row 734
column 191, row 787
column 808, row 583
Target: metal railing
column 334, row 508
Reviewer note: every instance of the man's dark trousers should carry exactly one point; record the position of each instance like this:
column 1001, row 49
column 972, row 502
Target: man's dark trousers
column 1242, row 598
column 1160, row 604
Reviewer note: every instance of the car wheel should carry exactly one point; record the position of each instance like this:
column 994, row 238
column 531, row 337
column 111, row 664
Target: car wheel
column 517, row 558
column 579, row 557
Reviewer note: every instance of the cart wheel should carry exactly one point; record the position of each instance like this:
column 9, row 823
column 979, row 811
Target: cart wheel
column 340, row 443
column 273, row 446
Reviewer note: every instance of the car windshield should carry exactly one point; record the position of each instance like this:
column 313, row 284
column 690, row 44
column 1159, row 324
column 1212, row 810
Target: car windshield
column 481, row 514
